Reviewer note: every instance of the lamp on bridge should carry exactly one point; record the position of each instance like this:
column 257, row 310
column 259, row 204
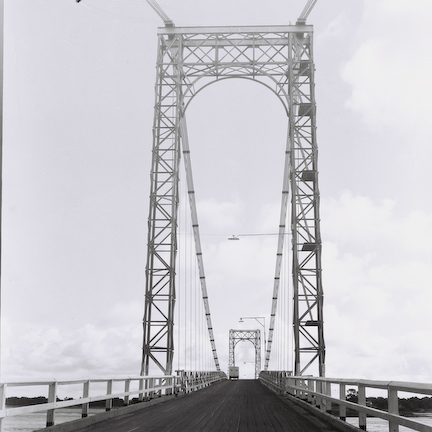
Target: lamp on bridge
column 241, row 320
column 237, row 237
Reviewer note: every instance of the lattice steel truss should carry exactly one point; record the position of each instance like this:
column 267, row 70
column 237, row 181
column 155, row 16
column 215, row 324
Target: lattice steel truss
column 253, row 336
column 189, row 59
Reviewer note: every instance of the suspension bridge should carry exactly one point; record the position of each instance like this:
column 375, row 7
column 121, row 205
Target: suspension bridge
column 179, row 350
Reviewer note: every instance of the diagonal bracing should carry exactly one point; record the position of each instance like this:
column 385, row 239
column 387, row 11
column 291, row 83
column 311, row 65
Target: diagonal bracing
column 189, row 59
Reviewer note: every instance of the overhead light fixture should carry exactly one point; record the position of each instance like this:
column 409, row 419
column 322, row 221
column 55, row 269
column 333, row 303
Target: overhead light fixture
column 237, row 237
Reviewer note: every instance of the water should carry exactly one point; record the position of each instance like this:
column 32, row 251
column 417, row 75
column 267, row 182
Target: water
column 379, row 425
column 34, row 421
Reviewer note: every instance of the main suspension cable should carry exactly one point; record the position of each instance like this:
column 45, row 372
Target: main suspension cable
column 195, row 226
column 279, row 253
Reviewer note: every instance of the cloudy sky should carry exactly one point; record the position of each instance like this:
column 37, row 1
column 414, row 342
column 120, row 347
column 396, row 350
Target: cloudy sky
column 78, row 109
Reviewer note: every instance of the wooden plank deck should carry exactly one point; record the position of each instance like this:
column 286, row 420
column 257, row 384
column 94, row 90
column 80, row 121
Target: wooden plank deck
column 244, row 405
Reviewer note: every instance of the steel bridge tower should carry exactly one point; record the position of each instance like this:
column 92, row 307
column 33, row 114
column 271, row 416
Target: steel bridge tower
column 253, row 336
column 189, row 59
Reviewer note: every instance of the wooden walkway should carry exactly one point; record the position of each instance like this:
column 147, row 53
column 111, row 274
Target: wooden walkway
column 245, row 405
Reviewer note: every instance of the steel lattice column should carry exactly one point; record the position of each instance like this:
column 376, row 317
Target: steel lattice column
column 305, row 219
column 158, row 322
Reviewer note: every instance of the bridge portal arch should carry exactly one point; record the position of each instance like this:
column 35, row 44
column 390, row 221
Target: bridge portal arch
column 253, row 336
column 190, row 58
column 209, row 80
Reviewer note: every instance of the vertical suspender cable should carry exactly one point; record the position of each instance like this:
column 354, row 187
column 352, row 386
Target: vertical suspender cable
column 195, row 226
column 178, row 315
column 181, row 281
column 283, row 308
column 286, row 316
column 185, row 302
column 196, row 327
column 1, row 150
column 282, row 221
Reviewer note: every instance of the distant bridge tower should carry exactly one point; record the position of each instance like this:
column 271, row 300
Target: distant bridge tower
column 189, row 59
column 253, row 336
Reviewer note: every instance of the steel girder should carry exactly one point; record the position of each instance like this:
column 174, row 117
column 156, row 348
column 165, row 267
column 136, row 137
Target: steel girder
column 189, row 59
column 253, row 336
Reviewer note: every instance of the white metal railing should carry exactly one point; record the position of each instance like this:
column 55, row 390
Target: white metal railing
column 318, row 392
column 192, row 381
column 146, row 388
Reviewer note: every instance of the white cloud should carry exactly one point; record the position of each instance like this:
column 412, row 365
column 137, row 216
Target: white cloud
column 359, row 215
column 377, row 290
column 358, row 220
column 111, row 347
column 389, row 72
column 219, row 215
column 335, row 28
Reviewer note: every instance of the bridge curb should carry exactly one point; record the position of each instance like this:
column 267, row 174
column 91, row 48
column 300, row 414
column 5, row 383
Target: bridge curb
column 78, row 424
column 334, row 421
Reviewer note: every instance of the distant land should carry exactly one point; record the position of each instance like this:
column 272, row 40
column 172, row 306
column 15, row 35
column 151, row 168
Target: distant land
column 25, row 401
column 407, row 407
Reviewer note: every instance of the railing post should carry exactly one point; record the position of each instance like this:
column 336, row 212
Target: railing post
column 173, row 385
column 52, row 393
column 168, row 382
column 342, row 396
column 127, row 389
column 141, row 390
column 286, row 383
column 298, row 384
column 328, row 393
column 86, row 393
column 289, row 385
column 362, row 402
column 2, row 403
column 149, row 386
column 303, row 391
column 323, row 404
column 311, row 387
column 181, row 374
column 318, row 397
column 393, row 407
column 187, row 382
column 108, row 402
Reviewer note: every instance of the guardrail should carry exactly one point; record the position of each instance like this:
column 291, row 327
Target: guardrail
column 146, row 388
column 318, row 392
column 192, row 381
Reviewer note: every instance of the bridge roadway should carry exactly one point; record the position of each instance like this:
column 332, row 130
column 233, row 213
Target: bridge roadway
column 244, row 405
